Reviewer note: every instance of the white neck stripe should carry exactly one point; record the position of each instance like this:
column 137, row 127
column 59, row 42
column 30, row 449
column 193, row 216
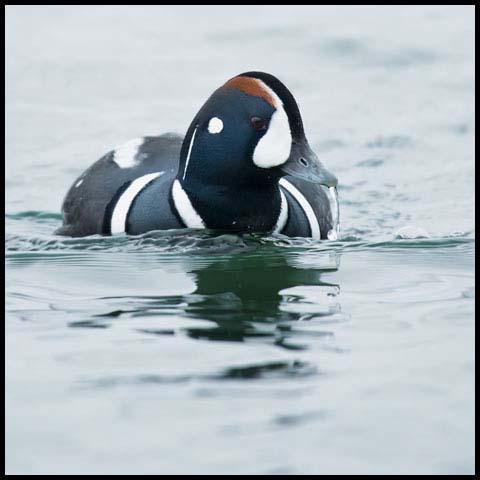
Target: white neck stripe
column 307, row 208
column 283, row 215
column 122, row 207
column 185, row 208
column 189, row 152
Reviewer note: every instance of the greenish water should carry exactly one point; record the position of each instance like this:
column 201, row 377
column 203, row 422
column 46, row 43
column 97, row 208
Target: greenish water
column 194, row 352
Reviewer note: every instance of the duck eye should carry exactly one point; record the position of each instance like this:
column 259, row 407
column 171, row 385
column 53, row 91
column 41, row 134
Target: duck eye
column 258, row 123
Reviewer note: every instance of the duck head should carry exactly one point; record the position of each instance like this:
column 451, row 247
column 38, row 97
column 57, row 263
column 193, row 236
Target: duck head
column 248, row 133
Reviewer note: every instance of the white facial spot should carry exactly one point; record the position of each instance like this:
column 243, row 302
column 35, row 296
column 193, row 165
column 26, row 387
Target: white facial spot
column 125, row 155
column 215, row 125
column 79, row 183
column 273, row 148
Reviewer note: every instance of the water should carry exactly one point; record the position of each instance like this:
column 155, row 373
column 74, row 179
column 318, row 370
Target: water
column 187, row 352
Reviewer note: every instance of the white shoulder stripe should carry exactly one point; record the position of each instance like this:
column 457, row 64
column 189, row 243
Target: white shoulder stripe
column 125, row 155
column 122, row 207
column 283, row 216
column 185, row 208
column 307, row 208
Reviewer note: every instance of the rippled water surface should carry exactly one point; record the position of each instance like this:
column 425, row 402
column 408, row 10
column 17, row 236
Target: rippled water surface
column 197, row 352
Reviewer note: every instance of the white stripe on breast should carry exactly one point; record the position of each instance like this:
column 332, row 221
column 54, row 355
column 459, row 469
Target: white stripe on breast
column 122, row 207
column 307, row 208
column 185, row 208
column 283, row 216
column 125, row 155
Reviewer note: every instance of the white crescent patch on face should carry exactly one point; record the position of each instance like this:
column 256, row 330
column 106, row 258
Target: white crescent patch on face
column 273, row 148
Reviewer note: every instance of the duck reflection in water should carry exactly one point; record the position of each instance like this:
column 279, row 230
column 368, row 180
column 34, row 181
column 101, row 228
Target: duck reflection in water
column 246, row 290
column 259, row 294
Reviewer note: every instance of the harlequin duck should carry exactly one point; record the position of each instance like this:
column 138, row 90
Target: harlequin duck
column 244, row 165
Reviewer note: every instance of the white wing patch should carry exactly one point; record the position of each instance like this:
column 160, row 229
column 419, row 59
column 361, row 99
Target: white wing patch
column 122, row 207
column 307, row 208
column 125, row 155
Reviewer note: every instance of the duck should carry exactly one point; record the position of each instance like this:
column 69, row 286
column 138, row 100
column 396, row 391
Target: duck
column 243, row 166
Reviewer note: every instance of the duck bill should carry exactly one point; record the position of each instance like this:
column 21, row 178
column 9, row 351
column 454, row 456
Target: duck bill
column 303, row 163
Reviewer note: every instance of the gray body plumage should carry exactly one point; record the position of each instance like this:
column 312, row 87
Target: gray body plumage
column 89, row 203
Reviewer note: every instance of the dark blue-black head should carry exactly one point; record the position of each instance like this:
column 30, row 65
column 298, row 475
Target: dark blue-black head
column 249, row 132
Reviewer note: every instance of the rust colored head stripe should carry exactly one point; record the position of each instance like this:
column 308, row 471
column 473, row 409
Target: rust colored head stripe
column 251, row 86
